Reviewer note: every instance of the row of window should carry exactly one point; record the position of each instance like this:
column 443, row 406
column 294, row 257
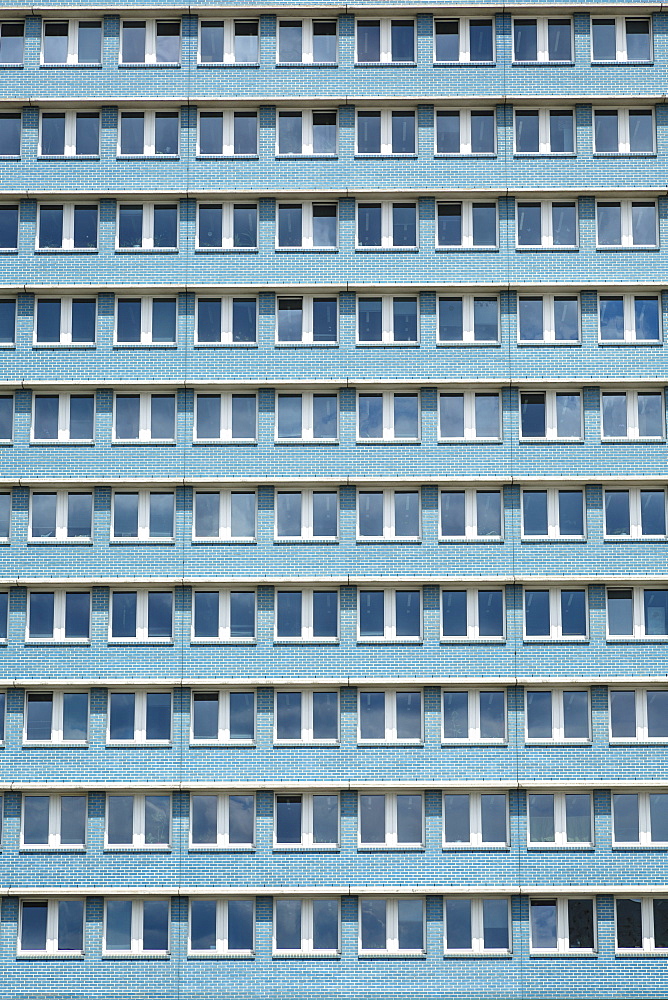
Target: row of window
column 386, row 132
column 380, row 225
column 312, row 926
column 315, row 41
column 233, row 320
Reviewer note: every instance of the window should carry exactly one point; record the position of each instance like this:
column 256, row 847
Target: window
column 547, row 224
column 3, row 700
column 150, row 41
column 229, row 42
column 387, row 319
column 147, row 227
column 307, row 319
column 386, row 132
column 306, row 926
column 309, row 416
column 4, row 608
column 55, row 717
column 10, row 134
column 391, row 925
column 632, row 415
column 226, row 321
column 222, row 821
column 6, row 418
column 141, row 615
column 474, row 925
column 386, row 225
column 306, row 515
column 558, row 715
column 221, row 927
column 389, row 514
column 640, row 818
column 306, row 716
column 138, row 820
column 468, row 319
column 136, row 927
column 542, row 39
column 222, row 716
column 641, row 924
column 307, row 226
column 385, row 40
column 553, row 513
column 7, row 320
column 58, row 616
column 11, row 43
column 306, row 41
column 142, row 516
column 65, row 322
column 71, row 43
column 389, row 615
column 638, row 714
column 139, row 717
column 223, row 615
column 67, row 227
column 474, row 716
column 60, row 516
column 471, row 515
column 624, row 130
column 227, row 226
column 144, row 417
column 472, row 614
column 388, row 416
column 9, row 227
column 465, row 133
column 621, row 39
column 227, row 416
column 227, row 133
column 148, row 133
column 53, row 927
column 626, row 224
column 228, row 515
column 306, row 133
column 637, row 613
column 64, row 417
column 464, row 40
column 544, row 132
column 389, row 717
column 54, row 821
column 634, row 319
column 146, row 321
column 391, row 820
column 635, row 513
column 560, row 819
column 5, row 516
column 478, row 819
column 551, row 416
column 562, row 925
column 555, row 614
column 306, row 820
column 466, row 224
column 548, row 319
column 306, row 615
column 469, row 416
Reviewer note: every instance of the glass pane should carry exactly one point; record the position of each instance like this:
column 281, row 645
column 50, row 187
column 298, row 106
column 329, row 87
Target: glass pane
column 454, row 614
column 641, row 131
column 36, row 819
column 121, row 715
column 410, row 920
column 403, row 41
column 487, row 413
column 450, row 322
column 561, row 132
column 485, row 320
column 448, row 134
column 483, row 129
column 637, row 40
column 541, row 818
column 240, row 924
column 242, row 615
column 288, row 715
column 325, row 715
column 660, row 913
column 370, row 416
column 581, row 923
column 456, row 819
column 159, row 615
column 157, row 819
column 576, row 715
column 559, row 40
column 626, row 819
column 457, row 914
column 623, row 714
column 156, row 924
column 492, row 715
column 288, row 819
column 539, row 715
column 325, row 614
column 372, row 715
column 525, row 40
column 650, row 414
column 609, row 223
column 656, row 612
column 495, row 930
column 161, row 515
column 118, row 925
column 373, row 918
column 453, row 514
column 573, row 613
column 527, row 138
column 242, row 715
column 658, row 816
column 578, row 819
column 75, row 709
column 206, row 615
column 73, row 820
column 205, row 708
column 455, row 715
column 484, row 224
column 242, row 809
column 368, row 41
column 657, row 714
column 158, row 714
column 325, row 317
column 652, row 512
column 490, row 614
column 571, row 512
column 493, row 819
column 325, row 819
column 203, row 924
column 41, row 615
column 120, row 819
column 543, row 925
column 204, row 822
column 629, row 923
column 324, row 41
column 246, row 43
column 33, row 926
column 325, row 924
column 408, row 613
column 132, row 133
column 325, row 508
column 409, row 715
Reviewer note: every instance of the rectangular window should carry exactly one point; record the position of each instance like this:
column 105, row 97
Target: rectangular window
column 11, row 43
column 306, row 926
column 227, row 133
column 64, row 417
column 306, row 133
column 468, row 319
column 222, row 821
column 635, row 513
column 467, row 225
column 474, row 716
column 138, row 821
column 464, row 40
column 54, row 821
column 640, row 818
column 559, row 819
column 628, row 318
column 139, row 717
column 562, row 925
column 553, row 513
column 222, row 716
column 471, row 515
column 306, row 41
column 465, row 133
column 306, row 716
column 5, row 516
column 146, row 322
column 148, row 133
column 385, row 40
column 624, row 131
column 6, row 418
column 548, row 319
column 307, row 319
column 7, row 321
column 388, row 319
column 10, row 135
column 551, row 416
column 544, row 132
column 387, row 225
column 472, row 614
column 53, row 927
column 141, row 615
column 388, row 416
column 306, row 515
column 60, row 516
column 229, row 41
column 556, row 614
column 136, row 927
column 227, row 416
column 477, row 819
column 309, row 416
column 391, row 820
column 226, row 321
column 393, row 515
column 71, row 43
column 626, row 224
column 142, row 516
column 306, row 820
column 391, row 926
column 224, row 615
column 561, row 716
column 65, row 322
column 306, row 226
column 67, row 227
column 542, row 39
column 638, row 714
column 641, row 925
column 150, row 42
column 58, row 616
column 632, row 415
column 9, row 227
column 469, row 416
column 478, row 926
column 227, row 226
column 69, row 133
column 621, row 39
column 389, row 716
column 306, row 615
column 221, row 927
column 637, row 613
column 4, row 608
column 144, row 417
column 389, row 615
column 55, row 717
column 386, row 133
column 546, row 224
column 228, row 515
column 147, row 227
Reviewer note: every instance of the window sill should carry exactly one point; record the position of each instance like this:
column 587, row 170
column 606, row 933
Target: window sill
column 136, row 442
column 45, row 849
column 59, row 956
column 627, row 538
column 306, row 249
column 640, row 847
column 61, row 444
column 449, row 848
column 544, row 156
column 390, row 955
column 250, row 344
column 227, row 156
column 390, row 743
column 92, row 65
column 73, row 250
column 150, row 65
column 385, row 156
column 57, row 157
column 473, row 955
column 220, row 743
column 630, row 343
column 10, row 157
column 159, row 250
column 551, row 440
column 402, row 64
column 55, row 744
column 198, row 848
column 220, row 956
column 468, row 343
column 224, row 541
column 302, row 849
column 477, row 440
column 299, row 344
column 569, row 248
column 306, row 955
column 575, row 954
column 387, row 343
column 228, row 65
column 306, row 156
column 557, row 743
column 141, row 541
column 534, row 63
column 458, row 62
column 127, row 956
column 9, row 249
column 388, row 541
column 140, row 642
column 208, row 442
column 544, row 540
column 461, row 249
column 616, row 249
column 622, row 62
column 132, row 157
column 144, row 347
column 306, row 743
column 199, row 641
column 531, row 640
column 388, row 441
column 305, row 642
column 560, row 848
column 628, row 440
column 226, row 250
column 472, row 742
column 390, row 848
column 57, row 642
column 382, row 640
column 549, row 343
column 462, row 156
column 458, row 540
column 613, row 155
column 636, row 638
column 131, row 849
column 487, row 640
column 125, row 744
column 308, row 443
column 64, row 347
column 59, row 541
column 307, row 65
column 306, row 541
column 412, row 249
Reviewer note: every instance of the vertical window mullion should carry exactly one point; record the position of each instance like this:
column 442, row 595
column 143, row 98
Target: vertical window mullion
column 474, row 715
column 465, row 131
column 467, row 224
column 61, row 515
column 641, row 702
column 151, row 33
column 136, row 926
column 558, row 715
column 386, row 223
column 648, row 928
column 220, row 821
column 149, row 133
column 546, row 231
column 543, row 131
column 70, row 133
column 223, row 715
column 224, row 627
column 228, row 133
column 228, row 40
column 555, row 614
column 222, row 935
column 138, row 820
column 624, row 131
column 548, row 318
column 147, row 227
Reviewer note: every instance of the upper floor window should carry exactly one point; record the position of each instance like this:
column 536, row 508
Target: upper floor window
column 547, row 224
column 628, row 318
column 223, row 615
column 387, row 225
column 555, row 613
column 227, row 416
column 465, row 133
column 306, row 716
column 385, row 40
column 307, row 41
column 306, row 133
column 229, row 41
column 306, row 226
column 472, row 614
column 67, row 227
column 225, row 515
column 138, row 820
column 222, row 716
column 464, row 40
column 306, row 926
column 551, row 415
column 58, row 616
column 11, row 43
column 627, row 224
column 544, row 132
column 147, row 227
column 391, row 926
column 6, row 418
column 54, row 821
column 221, row 926
column 641, row 925
column 7, row 322
column 632, row 415
column 558, row 926
column 51, row 927
column 55, row 717
column 390, row 615
column 471, row 514
column 553, row 513
column 468, row 319
column 72, row 43
column 64, row 417
column 621, row 39
column 136, row 927
column 542, row 39
column 388, row 416
column 475, row 819
column 469, row 416
column 466, row 224
column 307, row 416
column 139, row 717
column 10, row 134
column 9, row 227
column 306, row 514
column 389, row 514
column 222, row 821
column 148, row 133
column 60, row 516
column 145, row 321
column 557, row 715
column 227, row 320
column 479, row 926
column 624, row 130
column 307, row 319
column 227, row 226
column 640, row 818
column 474, row 716
column 150, row 42
column 637, row 613
column 548, row 319
column 306, row 820
column 5, row 516
column 144, row 516
column 635, row 513
column 4, row 608
column 66, row 321
column 389, row 716
column 638, row 714
column 144, row 417
column 387, row 319
column 386, row 132
column 141, row 615
column 227, row 133
column 391, row 820
column 306, row 615
column 562, row 819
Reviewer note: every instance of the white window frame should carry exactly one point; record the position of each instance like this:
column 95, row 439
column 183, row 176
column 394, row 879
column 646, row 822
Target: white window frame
column 224, row 618
column 386, row 133
column 632, row 429
column 140, row 718
column 141, row 635
column 144, row 417
column 477, row 931
column 626, row 208
column 149, row 136
column 150, row 39
column 644, row 819
column 387, row 224
column 51, row 931
column 65, row 322
column 8, row 22
column 542, row 53
column 223, row 718
column 472, row 615
column 464, row 127
column 471, row 516
column 389, row 526
column 307, row 132
column 146, row 321
column 137, row 929
column 307, row 321
column 391, row 821
column 559, row 816
column 474, row 719
column 229, row 24
column 67, row 242
column 392, row 929
column 62, row 498
column 222, row 822
column 555, row 616
column 386, row 39
column 624, row 132
column 70, row 145
column 138, row 822
column 307, row 615
column 225, row 418
column 465, row 41
column 647, row 916
column 306, row 929
column 228, row 117
column 549, row 325
column 468, row 320
column 63, row 418
column 72, row 41
column 226, row 322
column 307, row 225
column 635, row 519
column 553, row 531
column 306, row 721
column 389, row 616
column 387, row 321
column 390, row 718
column 224, row 518
column 466, row 214
column 307, row 39
column 307, row 831
column 641, row 720
column 551, row 417
column 544, row 144
column 629, row 318
column 222, row 928
column 558, row 717
column 388, row 415
column 306, row 504
column 56, row 720
column 143, row 516
column 59, row 602
column 620, row 38
column 546, row 226
column 563, row 929
column 15, row 206
column 638, row 617
column 307, row 418
column 475, row 840
column 55, row 813
column 147, row 225
column 227, row 239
